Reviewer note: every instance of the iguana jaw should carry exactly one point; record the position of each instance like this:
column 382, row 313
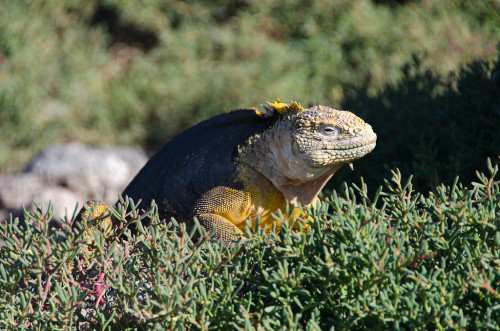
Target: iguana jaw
column 346, row 152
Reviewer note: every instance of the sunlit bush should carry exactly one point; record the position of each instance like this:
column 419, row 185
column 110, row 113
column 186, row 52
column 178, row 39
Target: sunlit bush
column 401, row 261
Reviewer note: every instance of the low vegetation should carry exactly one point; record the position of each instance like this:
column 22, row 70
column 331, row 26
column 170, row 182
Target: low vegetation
column 403, row 260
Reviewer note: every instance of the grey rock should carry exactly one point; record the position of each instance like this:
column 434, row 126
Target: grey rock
column 70, row 173
column 19, row 190
column 63, row 201
column 98, row 172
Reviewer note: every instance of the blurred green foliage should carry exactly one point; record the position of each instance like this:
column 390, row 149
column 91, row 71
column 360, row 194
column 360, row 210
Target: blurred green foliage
column 125, row 72
column 404, row 261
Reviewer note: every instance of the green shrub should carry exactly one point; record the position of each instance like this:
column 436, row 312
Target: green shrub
column 403, row 260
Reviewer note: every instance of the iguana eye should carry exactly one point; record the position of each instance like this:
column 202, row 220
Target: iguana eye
column 329, row 130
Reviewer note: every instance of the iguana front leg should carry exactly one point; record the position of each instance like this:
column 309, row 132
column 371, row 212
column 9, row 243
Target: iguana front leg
column 223, row 208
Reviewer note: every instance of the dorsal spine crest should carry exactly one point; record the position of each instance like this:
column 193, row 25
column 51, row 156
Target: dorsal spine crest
column 282, row 108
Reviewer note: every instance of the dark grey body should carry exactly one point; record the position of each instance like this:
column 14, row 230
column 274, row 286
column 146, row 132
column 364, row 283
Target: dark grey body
column 193, row 162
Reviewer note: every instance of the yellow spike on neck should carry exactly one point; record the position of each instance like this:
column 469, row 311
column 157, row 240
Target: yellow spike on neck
column 285, row 108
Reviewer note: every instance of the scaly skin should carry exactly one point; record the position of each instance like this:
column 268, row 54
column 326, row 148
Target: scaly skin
column 227, row 209
column 287, row 158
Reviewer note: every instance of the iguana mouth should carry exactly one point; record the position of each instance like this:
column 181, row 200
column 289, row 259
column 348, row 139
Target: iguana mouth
column 350, row 146
column 361, row 143
column 351, row 150
column 361, row 150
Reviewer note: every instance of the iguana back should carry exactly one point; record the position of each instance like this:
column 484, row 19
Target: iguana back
column 193, row 162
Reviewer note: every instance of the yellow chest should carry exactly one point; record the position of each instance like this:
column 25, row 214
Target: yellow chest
column 262, row 203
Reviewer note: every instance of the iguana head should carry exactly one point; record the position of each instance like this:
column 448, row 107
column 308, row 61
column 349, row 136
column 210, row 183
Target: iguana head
column 327, row 136
column 305, row 147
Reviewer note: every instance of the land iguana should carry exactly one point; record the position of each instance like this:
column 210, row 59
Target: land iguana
column 248, row 164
